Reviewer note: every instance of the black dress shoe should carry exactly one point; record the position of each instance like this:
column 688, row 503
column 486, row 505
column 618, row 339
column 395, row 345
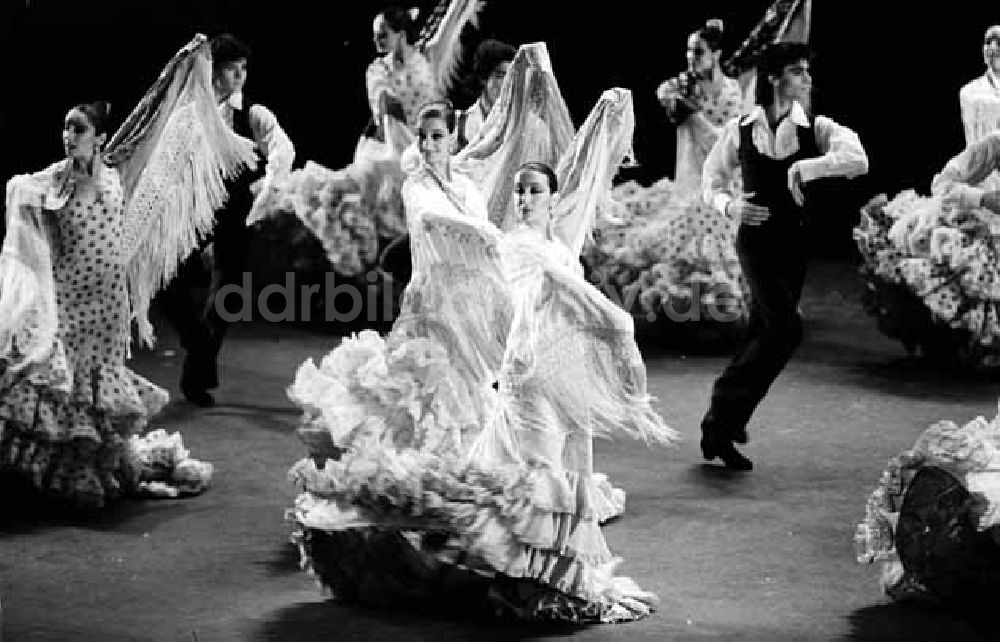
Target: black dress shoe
column 726, row 451
column 200, row 398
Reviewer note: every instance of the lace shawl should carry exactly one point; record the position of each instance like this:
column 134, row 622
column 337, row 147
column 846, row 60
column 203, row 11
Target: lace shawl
column 528, row 122
column 174, row 153
column 28, row 316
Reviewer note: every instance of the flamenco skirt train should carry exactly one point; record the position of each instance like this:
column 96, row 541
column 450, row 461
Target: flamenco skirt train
column 527, row 541
column 668, row 259
column 388, row 427
column 354, row 214
column 933, row 521
column 73, row 433
column 403, row 391
column 932, row 277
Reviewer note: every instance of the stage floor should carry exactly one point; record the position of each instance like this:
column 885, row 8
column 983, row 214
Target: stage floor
column 766, row 555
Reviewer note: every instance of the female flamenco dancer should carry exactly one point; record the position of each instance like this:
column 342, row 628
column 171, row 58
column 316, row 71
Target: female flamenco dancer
column 90, row 240
column 452, row 459
column 356, row 212
column 672, row 251
column 934, row 518
column 931, row 265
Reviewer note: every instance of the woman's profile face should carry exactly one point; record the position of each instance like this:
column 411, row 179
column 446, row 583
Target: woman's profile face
column 386, row 40
column 80, row 139
column 534, row 197
column 700, row 58
column 991, row 49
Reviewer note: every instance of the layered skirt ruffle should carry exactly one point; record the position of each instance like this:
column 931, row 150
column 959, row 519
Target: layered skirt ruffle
column 389, row 472
column 666, row 257
column 933, row 521
column 67, row 429
column 932, row 277
column 76, row 434
column 343, row 221
column 529, row 539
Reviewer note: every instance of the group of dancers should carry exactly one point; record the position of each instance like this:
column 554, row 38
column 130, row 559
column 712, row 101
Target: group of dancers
column 461, row 441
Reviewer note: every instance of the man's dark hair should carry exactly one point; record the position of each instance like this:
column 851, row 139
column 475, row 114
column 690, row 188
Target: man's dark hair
column 489, row 55
column 226, row 48
column 772, row 62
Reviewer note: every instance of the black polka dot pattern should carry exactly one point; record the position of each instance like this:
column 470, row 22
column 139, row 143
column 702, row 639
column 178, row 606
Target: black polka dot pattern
column 65, row 425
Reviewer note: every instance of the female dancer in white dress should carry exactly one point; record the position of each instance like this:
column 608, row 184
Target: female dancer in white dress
column 90, row 241
column 357, row 211
column 470, row 486
column 671, row 255
column 931, row 264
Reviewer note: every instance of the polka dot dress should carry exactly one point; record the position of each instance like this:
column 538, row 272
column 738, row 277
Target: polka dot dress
column 950, row 269
column 676, row 252
column 65, row 424
column 412, row 83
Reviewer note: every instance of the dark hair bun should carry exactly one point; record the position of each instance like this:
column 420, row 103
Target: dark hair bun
column 98, row 113
column 711, row 33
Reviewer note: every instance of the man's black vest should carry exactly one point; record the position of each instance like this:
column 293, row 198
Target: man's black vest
column 767, row 178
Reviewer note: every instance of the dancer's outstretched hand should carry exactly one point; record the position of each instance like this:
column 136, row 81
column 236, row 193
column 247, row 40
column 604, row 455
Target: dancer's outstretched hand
column 795, row 185
column 747, row 213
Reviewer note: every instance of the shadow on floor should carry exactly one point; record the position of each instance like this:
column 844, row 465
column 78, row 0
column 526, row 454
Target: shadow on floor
column 23, row 509
column 285, row 561
column 909, row 376
column 331, row 620
column 922, row 622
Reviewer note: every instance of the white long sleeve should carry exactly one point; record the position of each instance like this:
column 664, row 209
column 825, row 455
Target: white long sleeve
column 842, row 153
column 721, row 165
column 957, row 182
column 272, row 140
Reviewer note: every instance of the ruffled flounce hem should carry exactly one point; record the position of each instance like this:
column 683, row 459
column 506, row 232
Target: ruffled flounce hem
column 933, row 276
column 669, row 258
column 940, row 501
column 88, row 473
column 76, row 438
column 55, row 405
column 401, row 390
column 534, row 525
column 608, row 500
column 82, row 472
column 355, row 211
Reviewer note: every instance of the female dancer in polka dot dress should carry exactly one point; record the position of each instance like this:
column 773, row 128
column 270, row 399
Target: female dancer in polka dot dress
column 357, row 211
column 66, row 423
column 931, row 262
column 669, row 254
column 90, row 240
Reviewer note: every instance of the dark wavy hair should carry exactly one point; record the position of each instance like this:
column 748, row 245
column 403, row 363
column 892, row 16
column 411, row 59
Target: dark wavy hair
column 541, row 168
column 712, row 33
column 442, row 109
column 399, row 19
column 489, row 55
column 226, row 48
column 97, row 114
column 772, row 62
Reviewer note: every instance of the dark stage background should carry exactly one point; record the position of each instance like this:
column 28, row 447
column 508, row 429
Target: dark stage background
column 887, row 69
